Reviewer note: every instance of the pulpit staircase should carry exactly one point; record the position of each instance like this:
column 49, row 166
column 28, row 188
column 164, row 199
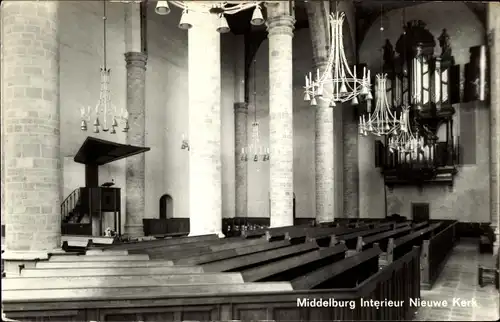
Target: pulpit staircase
column 71, row 207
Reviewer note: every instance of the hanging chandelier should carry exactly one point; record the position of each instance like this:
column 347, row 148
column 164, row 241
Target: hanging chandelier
column 405, row 140
column 344, row 85
column 255, row 150
column 383, row 120
column 219, row 8
column 105, row 116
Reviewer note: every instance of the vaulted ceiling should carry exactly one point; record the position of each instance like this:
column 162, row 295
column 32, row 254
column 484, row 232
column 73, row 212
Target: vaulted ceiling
column 367, row 11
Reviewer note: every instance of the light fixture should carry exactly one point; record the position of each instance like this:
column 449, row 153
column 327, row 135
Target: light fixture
column 219, row 8
column 162, row 8
column 254, row 150
column 406, row 141
column 184, row 23
column 344, row 83
column 383, row 120
column 223, row 26
column 105, row 116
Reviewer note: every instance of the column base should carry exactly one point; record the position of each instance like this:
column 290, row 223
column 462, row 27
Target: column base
column 220, row 234
column 14, row 261
column 134, row 230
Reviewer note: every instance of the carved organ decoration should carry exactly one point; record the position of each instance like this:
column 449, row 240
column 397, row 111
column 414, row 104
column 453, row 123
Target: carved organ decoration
column 426, row 84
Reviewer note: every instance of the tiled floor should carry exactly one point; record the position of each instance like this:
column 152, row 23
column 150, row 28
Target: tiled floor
column 459, row 280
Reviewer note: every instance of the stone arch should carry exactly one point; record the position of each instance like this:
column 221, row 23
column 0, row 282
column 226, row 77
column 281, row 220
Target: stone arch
column 166, row 207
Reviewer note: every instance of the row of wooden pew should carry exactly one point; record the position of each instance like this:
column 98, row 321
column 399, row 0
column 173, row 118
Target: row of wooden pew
column 262, row 275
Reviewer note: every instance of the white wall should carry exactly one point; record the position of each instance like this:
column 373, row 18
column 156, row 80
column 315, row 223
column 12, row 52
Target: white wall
column 166, row 100
column 469, row 198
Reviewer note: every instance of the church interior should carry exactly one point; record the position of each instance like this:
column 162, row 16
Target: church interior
column 250, row 160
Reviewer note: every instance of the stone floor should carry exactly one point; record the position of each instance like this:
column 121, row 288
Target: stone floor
column 459, row 280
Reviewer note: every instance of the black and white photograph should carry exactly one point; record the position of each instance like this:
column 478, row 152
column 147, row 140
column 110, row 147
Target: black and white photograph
column 250, row 161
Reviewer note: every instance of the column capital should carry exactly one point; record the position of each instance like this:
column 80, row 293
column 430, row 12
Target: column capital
column 137, row 59
column 241, row 107
column 280, row 25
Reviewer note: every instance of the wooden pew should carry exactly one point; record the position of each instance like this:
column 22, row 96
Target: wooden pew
column 149, row 292
column 351, row 239
column 321, row 235
column 278, row 231
column 229, row 253
column 107, row 271
column 420, row 225
column 289, row 268
column 93, row 258
column 346, row 273
column 435, row 252
column 399, row 247
column 330, row 236
column 58, row 282
column 241, row 262
column 163, row 242
column 102, row 264
column 193, row 304
column 382, row 238
column 211, row 252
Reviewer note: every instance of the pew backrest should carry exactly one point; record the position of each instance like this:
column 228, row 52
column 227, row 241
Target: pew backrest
column 325, row 273
column 381, row 238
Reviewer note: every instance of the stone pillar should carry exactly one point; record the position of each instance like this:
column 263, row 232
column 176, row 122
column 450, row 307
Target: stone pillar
column 205, row 176
column 280, row 27
column 324, row 122
column 136, row 135
column 241, row 140
column 30, row 113
column 494, row 33
column 350, row 131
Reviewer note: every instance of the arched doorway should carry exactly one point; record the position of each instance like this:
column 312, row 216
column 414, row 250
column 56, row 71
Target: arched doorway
column 166, row 207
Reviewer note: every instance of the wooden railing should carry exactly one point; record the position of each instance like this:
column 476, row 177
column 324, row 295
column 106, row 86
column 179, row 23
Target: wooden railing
column 396, row 282
column 69, row 204
column 435, row 252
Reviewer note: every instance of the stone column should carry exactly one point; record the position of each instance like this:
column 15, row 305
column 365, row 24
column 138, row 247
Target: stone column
column 324, row 121
column 280, row 27
column 494, row 34
column 241, row 139
column 136, row 135
column 30, row 113
column 350, row 131
column 205, row 176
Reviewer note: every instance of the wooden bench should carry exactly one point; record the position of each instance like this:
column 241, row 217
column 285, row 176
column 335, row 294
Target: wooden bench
column 261, row 301
column 229, row 253
column 277, row 232
column 58, row 282
column 420, row 225
column 242, row 262
column 321, row 235
column 292, row 267
column 93, row 258
column 210, row 252
column 112, row 264
column 163, row 242
column 381, row 239
column 399, row 247
column 171, row 235
column 347, row 273
column 107, row 271
column 435, row 252
column 351, row 239
column 149, row 292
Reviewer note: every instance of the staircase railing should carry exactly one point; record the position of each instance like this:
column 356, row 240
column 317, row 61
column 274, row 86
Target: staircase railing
column 69, row 204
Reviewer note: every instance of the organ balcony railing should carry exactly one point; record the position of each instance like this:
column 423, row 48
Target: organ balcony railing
column 433, row 164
